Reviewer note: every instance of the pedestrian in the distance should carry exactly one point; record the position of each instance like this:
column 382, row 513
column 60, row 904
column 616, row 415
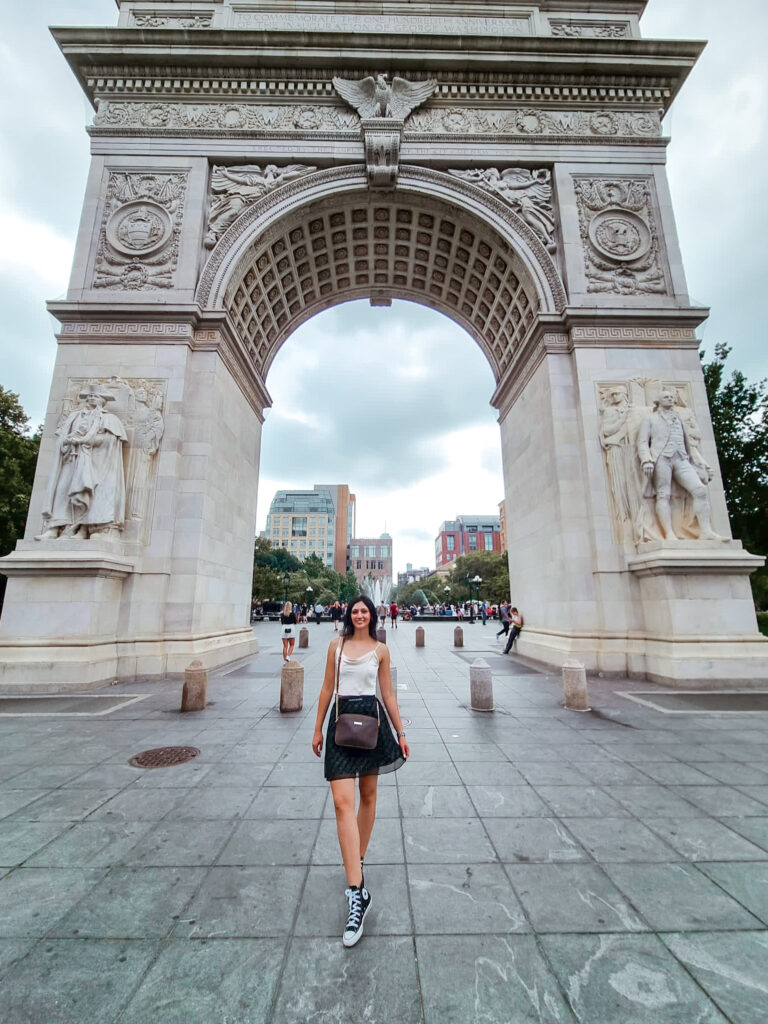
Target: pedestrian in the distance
column 288, row 630
column 335, row 615
column 504, row 616
column 381, row 612
column 354, row 663
column 318, row 613
column 393, row 612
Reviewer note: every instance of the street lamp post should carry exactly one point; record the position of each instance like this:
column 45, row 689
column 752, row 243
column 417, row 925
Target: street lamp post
column 285, row 584
column 474, row 581
column 448, row 597
column 477, row 580
column 309, row 598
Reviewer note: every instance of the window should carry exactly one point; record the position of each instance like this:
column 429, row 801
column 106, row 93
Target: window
column 489, row 542
column 381, row 565
column 384, row 552
column 370, row 550
column 471, row 529
column 473, row 542
column 450, row 542
column 359, row 564
column 299, row 526
column 354, row 552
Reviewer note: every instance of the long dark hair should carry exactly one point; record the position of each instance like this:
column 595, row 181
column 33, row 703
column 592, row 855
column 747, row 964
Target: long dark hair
column 349, row 629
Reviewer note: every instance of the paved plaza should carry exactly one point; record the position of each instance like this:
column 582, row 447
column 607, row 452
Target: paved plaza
column 530, row 864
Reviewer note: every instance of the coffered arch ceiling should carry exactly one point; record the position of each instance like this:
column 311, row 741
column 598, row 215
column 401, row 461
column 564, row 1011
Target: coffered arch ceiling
column 409, row 244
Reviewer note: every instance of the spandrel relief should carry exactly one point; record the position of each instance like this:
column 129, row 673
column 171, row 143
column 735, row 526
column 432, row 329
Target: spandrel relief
column 657, row 477
column 528, row 192
column 106, row 460
column 235, row 188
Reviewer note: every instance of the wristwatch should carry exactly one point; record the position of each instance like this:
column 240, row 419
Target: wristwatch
column 400, row 735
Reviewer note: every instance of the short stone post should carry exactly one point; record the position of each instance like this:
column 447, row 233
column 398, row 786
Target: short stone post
column 575, row 686
column 303, row 637
column 480, row 686
column 458, row 637
column 419, row 636
column 292, row 686
column 381, row 635
column 195, row 685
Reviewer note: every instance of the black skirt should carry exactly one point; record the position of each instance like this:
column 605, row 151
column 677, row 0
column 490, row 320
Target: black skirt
column 349, row 763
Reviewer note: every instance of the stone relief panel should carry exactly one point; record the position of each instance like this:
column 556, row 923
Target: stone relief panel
column 138, row 245
column 235, row 188
column 144, row 19
column 590, row 29
column 225, row 117
column 619, row 236
column 109, row 435
column 528, row 192
column 671, row 502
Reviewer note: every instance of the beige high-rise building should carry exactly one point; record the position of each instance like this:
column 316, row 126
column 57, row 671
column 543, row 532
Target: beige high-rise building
column 344, row 506
column 503, row 525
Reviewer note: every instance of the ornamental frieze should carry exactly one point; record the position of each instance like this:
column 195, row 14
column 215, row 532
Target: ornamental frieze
column 226, row 117
column 590, row 29
column 527, row 192
column 619, row 237
column 138, row 245
column 171, row 20
column 235, row 188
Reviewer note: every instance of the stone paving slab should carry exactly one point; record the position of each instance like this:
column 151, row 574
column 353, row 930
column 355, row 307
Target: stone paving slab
column 526, row 865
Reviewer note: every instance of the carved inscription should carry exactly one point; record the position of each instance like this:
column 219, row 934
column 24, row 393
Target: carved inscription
column 619, row 237
column 528, row 192
column 624, row 408
column 139, row 238
column 381, row 23
column 235, row 188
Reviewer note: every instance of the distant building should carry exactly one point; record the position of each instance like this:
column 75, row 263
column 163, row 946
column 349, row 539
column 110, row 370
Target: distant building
column 465, row 535
column 503, row 525
column 412, row 575
column 304, row 523
column 370, row 559
column 344, row 509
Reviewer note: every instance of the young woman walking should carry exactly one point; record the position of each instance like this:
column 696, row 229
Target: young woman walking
column 354, row 663
column 288, row 630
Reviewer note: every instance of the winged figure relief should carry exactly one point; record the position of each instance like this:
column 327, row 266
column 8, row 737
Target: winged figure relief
column 234, row 188
column 376, row 97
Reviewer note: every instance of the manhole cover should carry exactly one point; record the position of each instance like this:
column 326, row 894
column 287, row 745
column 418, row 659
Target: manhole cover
column 163, row 757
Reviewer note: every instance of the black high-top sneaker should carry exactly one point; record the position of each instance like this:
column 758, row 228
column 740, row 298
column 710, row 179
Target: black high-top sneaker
column 359, row 901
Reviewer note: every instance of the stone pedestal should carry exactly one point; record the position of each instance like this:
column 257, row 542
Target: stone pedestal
column 458, row 637
column 575, row 686
column 292, row 687
column 381, row 635
column 419, row 636
column 303, row 637
column 195, row 687
column 480, row 686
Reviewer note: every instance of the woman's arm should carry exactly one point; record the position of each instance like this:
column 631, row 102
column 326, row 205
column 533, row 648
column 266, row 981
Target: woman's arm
column 389, row 699
column 326, row 695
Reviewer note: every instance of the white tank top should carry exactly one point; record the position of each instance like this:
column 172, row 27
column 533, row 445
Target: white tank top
column 357, row 676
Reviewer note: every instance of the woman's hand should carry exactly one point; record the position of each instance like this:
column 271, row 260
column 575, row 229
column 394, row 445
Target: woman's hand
column 404, row 747
column 317, row 742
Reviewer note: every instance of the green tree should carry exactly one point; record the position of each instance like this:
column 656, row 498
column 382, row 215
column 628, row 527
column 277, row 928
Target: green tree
column 493, row 569
column 739, row 412
column 18, row 458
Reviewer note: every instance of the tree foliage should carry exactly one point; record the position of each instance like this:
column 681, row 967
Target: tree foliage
column 18, row 457
column 739, row 412
column 277, row 574
column 493, row 569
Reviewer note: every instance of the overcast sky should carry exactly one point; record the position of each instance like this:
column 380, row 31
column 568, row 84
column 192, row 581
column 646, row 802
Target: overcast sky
column 393, row 402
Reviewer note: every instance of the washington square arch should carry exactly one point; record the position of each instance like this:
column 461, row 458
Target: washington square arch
column 257, row 161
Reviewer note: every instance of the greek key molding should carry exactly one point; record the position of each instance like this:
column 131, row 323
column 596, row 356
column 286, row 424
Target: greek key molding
column 663, row 335
column 126, row 330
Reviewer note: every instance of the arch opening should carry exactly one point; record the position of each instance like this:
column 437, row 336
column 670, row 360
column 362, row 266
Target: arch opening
column 353, row 243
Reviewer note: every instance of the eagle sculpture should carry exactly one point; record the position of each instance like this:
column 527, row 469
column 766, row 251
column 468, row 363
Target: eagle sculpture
column 376, row 97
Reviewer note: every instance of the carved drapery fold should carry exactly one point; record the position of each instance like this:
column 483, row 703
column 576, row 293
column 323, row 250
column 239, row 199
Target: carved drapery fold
column 528, row 192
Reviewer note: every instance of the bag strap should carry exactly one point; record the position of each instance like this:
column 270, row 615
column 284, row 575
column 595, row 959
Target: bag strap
column 339, row 648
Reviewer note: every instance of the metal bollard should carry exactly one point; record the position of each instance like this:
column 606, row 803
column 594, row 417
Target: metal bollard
column 480, row 686
column 419, row 636
column 303, row 637
column 381, row 635
column 195, row 684
column 575, row 686
column 292, row 686
column 458, row 637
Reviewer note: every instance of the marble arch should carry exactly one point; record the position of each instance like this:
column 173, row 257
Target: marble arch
column 254, row 161
column 434, row 240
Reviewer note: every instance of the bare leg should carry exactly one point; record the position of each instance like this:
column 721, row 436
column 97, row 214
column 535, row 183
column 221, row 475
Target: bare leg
column 285, row 650
column 343, row 791
column 291, row 645
column 366, row 814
